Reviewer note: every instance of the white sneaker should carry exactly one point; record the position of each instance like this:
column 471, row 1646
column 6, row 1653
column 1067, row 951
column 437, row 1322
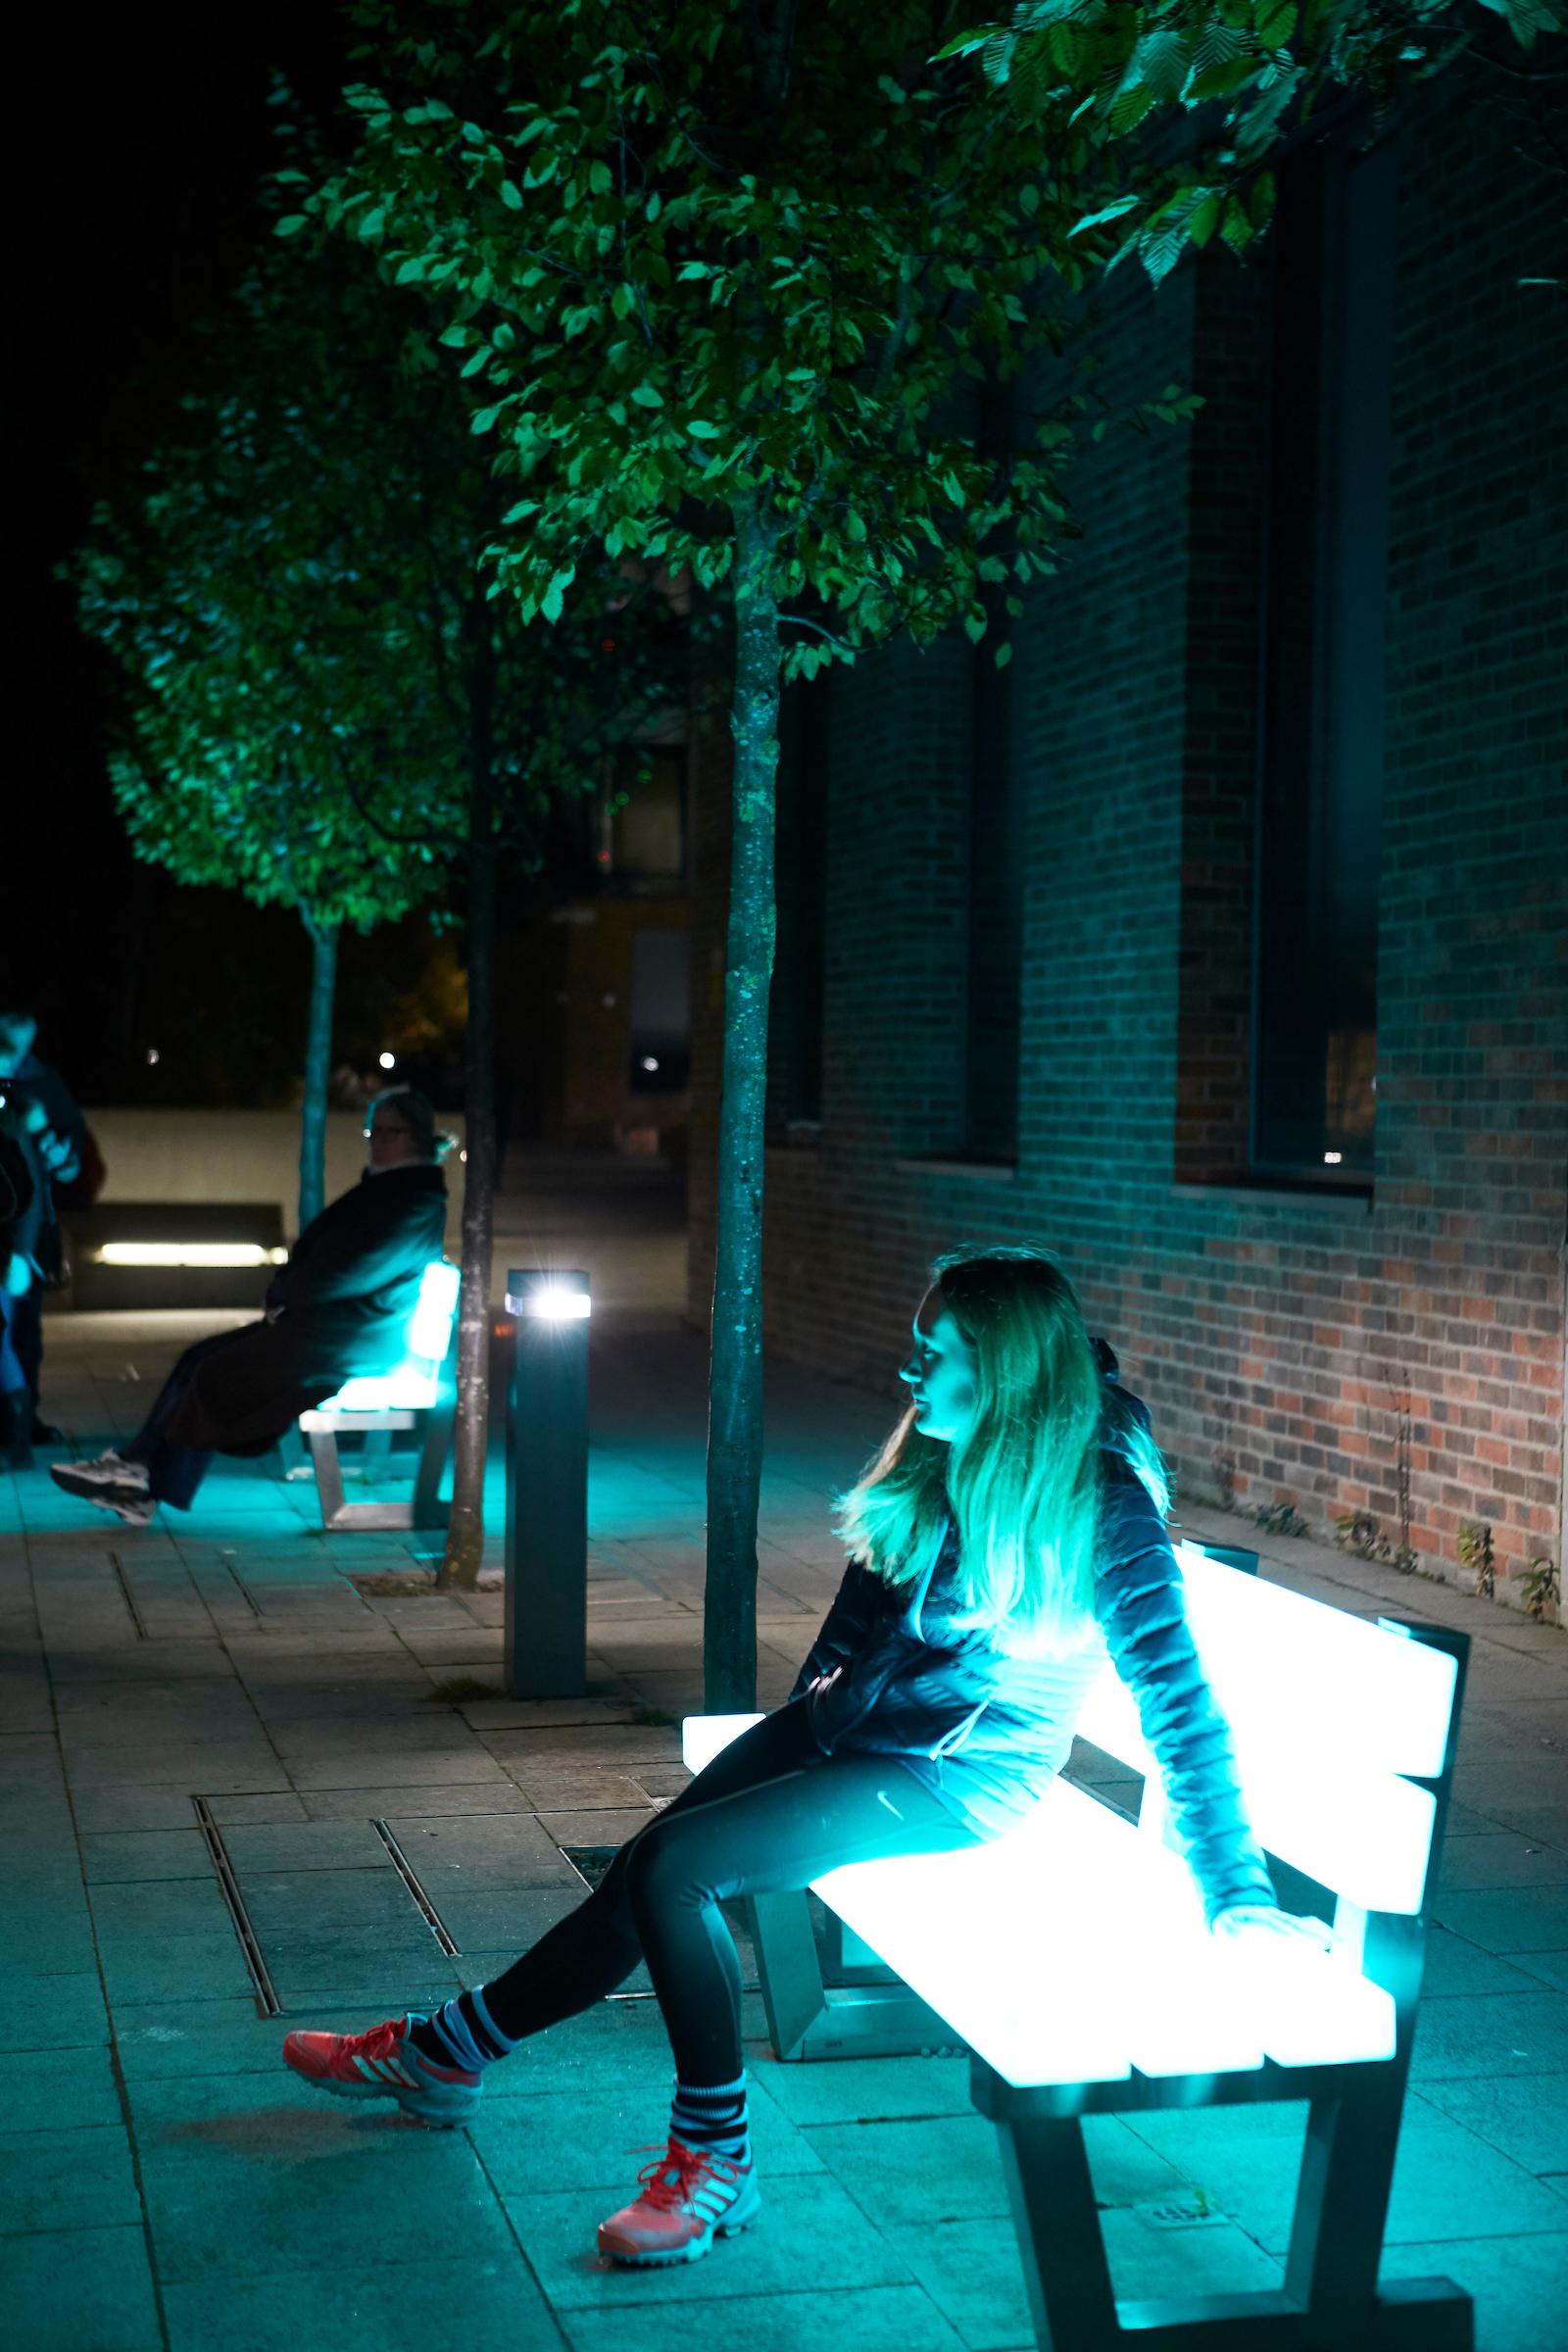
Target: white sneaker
column 112, row 1484
column 109, row 1470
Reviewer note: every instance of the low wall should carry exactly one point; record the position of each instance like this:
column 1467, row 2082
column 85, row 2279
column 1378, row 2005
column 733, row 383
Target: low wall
column 240, row 1156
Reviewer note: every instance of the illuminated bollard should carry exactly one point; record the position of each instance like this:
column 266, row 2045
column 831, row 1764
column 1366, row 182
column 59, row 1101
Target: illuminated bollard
column 547, row 1487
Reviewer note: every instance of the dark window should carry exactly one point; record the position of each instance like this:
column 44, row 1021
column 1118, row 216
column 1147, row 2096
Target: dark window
column 660, row 1013
column 642, row 817
column 1326, row 569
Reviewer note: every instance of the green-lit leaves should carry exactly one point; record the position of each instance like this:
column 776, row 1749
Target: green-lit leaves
column 1107, row 212
column 1093, row 75
column 1160, row 63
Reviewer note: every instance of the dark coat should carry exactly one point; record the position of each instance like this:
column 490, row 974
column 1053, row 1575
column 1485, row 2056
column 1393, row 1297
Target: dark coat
column 346, row 1293
column 987, row 1732
column 43, row 1081
column 23, row 1191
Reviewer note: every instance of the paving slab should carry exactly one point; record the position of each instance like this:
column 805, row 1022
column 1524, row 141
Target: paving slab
column 812, row 2229
column 446, row 1801
column 119, row 1856
column 319, row 2208
column 874, row 2319
column 50, row 2178
column 1455, row 1966
column 69, row 2291
column 1513, row 1918
column 58, row 2091
column 1517, row 2283
column 45, row 2012
column 1248, row 2159
column 489, row 2305
column 1525, row 2116
column 1548, row 1968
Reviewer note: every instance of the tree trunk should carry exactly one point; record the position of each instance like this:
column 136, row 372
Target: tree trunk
column 317, row 1067
column 735, row 1380
column 464, row 1551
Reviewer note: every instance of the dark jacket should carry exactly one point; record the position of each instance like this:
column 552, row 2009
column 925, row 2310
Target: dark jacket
column 987, row 1732
column 23, row 1191
column 346, row 1293
column 43, row 1081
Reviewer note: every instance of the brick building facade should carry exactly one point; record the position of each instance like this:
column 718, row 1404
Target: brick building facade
column 1107, row 823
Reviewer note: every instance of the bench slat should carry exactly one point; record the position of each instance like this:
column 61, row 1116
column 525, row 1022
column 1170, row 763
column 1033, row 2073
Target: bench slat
column 1365, row 1833
column 1137, row 1983
column 1307, row 1673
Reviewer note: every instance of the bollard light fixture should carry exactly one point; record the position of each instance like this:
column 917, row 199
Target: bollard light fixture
column 550, row 1300
column 545, row 1632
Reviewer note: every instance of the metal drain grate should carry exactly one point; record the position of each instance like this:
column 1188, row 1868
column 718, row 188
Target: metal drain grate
column 411, row 1880
column 229, row 1887
column 128, row 1597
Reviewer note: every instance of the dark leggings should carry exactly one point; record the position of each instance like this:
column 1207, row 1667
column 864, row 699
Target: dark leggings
column 770, row 1814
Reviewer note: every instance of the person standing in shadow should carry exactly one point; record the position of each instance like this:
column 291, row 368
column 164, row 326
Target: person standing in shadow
column 57, row 1142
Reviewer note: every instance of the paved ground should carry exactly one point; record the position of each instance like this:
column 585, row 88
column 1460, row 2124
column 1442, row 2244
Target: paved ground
column 165, row 2184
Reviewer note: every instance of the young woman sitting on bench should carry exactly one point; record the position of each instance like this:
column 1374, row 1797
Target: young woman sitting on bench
column 1009, row 1531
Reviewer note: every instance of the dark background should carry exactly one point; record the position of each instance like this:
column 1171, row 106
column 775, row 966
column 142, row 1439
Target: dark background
column 136, row 143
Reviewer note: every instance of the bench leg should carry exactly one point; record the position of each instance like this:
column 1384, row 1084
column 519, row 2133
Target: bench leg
column 291, row 1453
column 1341, row 2203
column 428, row 1509
column 337, row 1514
column 787, row 1969
column 377, row 1453
column 329, row 1476
column 807, row 2020
column 1059, row 2239
column 1331, row 2300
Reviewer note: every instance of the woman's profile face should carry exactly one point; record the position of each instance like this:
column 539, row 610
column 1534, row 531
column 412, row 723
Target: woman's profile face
column 940, row 1370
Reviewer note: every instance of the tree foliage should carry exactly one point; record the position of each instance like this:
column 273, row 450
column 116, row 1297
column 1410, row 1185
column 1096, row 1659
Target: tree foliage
column 1175, row 106
column 280, row 651
column 692, row 300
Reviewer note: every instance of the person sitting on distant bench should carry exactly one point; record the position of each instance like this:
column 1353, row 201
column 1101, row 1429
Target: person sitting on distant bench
column 339, row 1307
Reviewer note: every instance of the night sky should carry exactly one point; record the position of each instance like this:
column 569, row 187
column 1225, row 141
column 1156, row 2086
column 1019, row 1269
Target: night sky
column 137, row 141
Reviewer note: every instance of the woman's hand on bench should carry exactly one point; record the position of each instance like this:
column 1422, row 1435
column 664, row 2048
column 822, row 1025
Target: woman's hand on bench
column 1261, row 1927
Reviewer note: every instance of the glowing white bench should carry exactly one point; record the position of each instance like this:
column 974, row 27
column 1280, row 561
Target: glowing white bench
column 1072, row 1957
column 416, row 1394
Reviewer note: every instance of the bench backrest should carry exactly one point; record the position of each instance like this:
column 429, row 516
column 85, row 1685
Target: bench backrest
column 1335, row 1719
column 414, row 1385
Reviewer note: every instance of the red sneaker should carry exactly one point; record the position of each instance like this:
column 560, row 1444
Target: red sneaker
column 691, row 2197
column 384, row 2063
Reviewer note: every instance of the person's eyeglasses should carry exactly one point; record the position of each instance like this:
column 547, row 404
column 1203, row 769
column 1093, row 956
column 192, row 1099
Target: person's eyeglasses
column 388, row 1127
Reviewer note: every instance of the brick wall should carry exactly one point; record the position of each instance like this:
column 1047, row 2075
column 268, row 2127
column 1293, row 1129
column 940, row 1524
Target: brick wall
column 1271, row 1328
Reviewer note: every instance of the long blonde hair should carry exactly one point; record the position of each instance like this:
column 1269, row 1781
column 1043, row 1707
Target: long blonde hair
column 1022, row 1487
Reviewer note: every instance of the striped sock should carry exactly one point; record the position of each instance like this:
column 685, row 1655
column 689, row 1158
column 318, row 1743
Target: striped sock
column 461, row 2032
column 712, row 2116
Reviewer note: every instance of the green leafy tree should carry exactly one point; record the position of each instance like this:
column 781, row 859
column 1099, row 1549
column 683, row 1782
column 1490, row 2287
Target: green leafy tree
column 730, row 273
column 326, row 704
column 266, row 657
